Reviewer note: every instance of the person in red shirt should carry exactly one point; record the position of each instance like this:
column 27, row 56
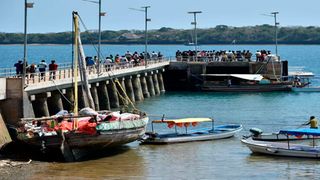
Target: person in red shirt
column 53, row 67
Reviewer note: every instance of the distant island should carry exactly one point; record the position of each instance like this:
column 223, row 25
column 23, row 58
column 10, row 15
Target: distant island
column 221, row 34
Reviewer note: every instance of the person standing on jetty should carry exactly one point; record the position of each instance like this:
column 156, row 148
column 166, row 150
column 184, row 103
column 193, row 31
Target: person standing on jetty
column 19, row 68
column 53, row 67
column 42, row 68
column 313, row 123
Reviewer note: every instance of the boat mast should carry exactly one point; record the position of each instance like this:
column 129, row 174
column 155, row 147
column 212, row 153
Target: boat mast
column 99, row 41
column 75, row 68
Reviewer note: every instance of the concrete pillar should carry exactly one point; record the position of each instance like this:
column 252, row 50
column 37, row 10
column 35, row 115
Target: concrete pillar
column 94, row 94
column 82, row 99
column 113, row 95
column 40, row 105
column 138, row 95
column 55, row 103
column 122, row 92
column 161, row 83
column 144, row 86
column 150, row 85
column 104, row 103
column 156, row 83
column 129, row 88
column 68, row 100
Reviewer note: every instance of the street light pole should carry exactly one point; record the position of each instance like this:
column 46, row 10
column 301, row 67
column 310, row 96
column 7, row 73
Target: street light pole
column 26, row 6
column 146, row 33
column 195, row 31
column 276, row 30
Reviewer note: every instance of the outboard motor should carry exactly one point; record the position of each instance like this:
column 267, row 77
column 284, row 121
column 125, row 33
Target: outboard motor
column 255, row 131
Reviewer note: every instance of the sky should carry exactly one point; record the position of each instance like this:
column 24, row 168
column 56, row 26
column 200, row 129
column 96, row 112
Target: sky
column 55, row 15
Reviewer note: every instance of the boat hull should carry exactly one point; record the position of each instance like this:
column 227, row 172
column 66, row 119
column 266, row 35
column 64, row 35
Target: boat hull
column 220, row 132
column 75, row 146
column 281, row 149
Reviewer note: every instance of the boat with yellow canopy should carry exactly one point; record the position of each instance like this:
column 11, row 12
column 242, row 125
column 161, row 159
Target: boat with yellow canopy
column 189, row 134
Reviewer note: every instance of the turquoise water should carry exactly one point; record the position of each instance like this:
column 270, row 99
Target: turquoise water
column 221, row 159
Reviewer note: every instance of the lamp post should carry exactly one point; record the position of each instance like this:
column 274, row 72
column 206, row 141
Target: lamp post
column 276, row 30
column 26, row 6
column 146, row 33
column 99, row 32
column 99, row 41
column 145, row 10
column 195, row 30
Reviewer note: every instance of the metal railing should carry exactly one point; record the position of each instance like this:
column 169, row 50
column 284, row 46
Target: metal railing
column 65, row 71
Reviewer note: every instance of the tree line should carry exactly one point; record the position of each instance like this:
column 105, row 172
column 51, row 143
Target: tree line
column 221, row 34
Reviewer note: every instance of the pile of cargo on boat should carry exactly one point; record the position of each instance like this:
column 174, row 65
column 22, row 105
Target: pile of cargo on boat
column 88, row 122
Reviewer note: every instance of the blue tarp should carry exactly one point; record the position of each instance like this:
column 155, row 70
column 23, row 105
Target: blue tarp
column 298, row 132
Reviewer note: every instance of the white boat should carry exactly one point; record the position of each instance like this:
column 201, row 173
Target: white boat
column 286, row 148
column 204, row 134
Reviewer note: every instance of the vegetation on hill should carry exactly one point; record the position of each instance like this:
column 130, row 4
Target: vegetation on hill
column 221, row 34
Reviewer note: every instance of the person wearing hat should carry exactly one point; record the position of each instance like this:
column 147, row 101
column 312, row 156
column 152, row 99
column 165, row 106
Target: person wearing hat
column 313, row 122
column 53, row 67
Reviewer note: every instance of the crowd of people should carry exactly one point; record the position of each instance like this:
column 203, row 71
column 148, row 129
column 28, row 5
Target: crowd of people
column 31, row 69
column 42, row 67
column 136, row 59
column 224, row 56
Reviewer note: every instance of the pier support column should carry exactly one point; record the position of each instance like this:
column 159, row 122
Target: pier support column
column 150, row 84
column 138, row 95
column 82, row 99
column 161, row 83
column 68, row 102
column 113, row 95
column 144, row 86
column 55, row 103
column 122, row 91
column 40, row 105
column 156, row 83
column 104, row 103
column 129, row 89
column 94, row 94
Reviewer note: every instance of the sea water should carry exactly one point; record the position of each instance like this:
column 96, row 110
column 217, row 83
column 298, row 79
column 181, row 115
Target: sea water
column 219, row 159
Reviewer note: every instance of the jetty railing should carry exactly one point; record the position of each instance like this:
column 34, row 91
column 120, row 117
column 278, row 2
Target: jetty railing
column 66, row 71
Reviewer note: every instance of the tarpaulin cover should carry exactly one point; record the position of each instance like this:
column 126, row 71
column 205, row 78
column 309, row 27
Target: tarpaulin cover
column 297, row 132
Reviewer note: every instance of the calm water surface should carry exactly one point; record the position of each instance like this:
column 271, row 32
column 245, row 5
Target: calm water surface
column 220, row 159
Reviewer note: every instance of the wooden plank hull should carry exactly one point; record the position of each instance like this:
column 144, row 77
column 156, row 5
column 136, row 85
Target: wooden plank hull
column 282, row 149
column 74, row 146
column 191, row 137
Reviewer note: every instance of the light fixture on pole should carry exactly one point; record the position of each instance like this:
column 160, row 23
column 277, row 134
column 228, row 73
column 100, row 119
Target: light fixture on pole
column 276, row 30
column 145, row 10
column 146, row 33
column 195, row 30
column 26, row 6
column 99, row 32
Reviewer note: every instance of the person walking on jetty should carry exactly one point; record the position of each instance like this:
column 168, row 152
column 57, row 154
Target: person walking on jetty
column 53, row 67
column 42, row 68
column 313, row 122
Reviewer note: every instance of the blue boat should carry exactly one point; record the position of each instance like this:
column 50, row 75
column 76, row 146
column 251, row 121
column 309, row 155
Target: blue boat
column 203, row 134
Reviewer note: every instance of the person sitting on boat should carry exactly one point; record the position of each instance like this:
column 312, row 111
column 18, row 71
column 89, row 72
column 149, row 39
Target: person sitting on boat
column 313, row 122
